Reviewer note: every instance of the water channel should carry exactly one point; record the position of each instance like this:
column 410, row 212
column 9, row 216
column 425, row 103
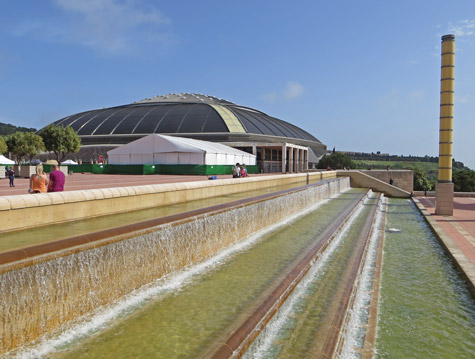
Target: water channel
column 189, row 314
column 23, row 238
column 426, row 309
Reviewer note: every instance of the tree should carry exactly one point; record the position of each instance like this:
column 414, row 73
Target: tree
column 464, row 181
column 24, row 145
column 335, row 160
column 60, row 140
column 3, row 146
column 421, row 183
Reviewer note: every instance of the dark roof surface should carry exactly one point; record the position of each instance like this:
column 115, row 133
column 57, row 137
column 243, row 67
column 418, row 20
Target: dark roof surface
column 180, row 113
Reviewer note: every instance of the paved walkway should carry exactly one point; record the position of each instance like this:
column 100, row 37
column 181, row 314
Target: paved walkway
column 79, row 181
column 457, row 231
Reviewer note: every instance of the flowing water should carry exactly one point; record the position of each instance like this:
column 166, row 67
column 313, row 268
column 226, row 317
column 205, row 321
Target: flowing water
column 426, row 309
column 28, row 237
column 191, row 318
column 300, row 328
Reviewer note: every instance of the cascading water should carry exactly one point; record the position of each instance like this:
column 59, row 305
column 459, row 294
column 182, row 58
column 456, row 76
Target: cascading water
column 188, row 311
column 48, row 293
column 271, row 343
column 355, row 329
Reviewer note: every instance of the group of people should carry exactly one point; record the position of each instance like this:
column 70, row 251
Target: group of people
column 239, row 170
column 40, row 182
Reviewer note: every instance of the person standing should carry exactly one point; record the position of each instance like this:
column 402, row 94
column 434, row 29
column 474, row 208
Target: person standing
column 236, row 171
column 11, row 176
column 39, row 181
column 56, row 180
column 243, row 171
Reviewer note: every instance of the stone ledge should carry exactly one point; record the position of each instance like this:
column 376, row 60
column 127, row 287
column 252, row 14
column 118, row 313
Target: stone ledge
column 76, row 205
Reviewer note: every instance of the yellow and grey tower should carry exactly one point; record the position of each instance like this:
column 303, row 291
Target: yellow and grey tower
column 445, row 187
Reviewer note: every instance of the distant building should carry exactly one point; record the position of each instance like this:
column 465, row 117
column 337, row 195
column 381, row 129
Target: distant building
column 279, row 146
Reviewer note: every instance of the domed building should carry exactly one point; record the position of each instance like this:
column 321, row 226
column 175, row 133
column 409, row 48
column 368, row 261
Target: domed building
column 278, row 145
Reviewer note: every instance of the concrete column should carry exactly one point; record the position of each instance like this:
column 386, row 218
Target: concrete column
column 291, row 160
column 306, row 159
column 445, row 187
column 297, row 160
column 284, row 157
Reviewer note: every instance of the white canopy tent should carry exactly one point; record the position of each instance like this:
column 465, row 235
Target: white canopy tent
column 6, row 161
column 170, row 150
column 69, row 162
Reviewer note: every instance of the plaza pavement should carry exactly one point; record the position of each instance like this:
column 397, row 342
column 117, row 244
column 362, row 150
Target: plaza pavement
column 80, row 181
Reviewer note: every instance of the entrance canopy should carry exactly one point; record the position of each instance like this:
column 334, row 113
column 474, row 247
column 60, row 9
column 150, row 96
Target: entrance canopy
column 171, row 150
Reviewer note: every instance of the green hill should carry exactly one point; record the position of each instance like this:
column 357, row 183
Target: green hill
column 6, row 129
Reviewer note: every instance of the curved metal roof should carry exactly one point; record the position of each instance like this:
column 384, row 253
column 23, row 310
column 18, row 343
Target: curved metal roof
column 180, row 113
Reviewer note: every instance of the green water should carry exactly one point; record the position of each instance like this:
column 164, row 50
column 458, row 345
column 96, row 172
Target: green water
column 303, row 331
column 28, row 237
column 426, row 310
column 193, row 321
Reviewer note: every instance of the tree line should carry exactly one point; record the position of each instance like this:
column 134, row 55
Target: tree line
column 463, row 178
column 26, row 145
column 355, row 156
column 7, row 129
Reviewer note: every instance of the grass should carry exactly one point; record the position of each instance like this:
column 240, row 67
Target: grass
column 430, row 168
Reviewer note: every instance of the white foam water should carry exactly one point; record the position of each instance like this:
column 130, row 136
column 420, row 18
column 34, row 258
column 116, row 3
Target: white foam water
column 103, row 317
column 262, row 346
column 355, row 331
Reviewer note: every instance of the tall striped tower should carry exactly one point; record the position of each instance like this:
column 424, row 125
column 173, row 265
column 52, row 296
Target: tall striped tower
column 445, row 187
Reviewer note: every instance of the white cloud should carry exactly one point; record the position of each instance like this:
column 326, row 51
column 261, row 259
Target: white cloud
column 417, row 95
column 462, row 99
column 463, row 28
column 270, row 97
column 110, row 26
column 291, row 91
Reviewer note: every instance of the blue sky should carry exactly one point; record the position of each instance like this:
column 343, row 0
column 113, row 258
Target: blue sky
column 358, row 75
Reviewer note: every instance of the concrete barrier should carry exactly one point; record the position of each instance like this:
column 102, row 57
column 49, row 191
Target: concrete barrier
column 361, row 179
column 29, row 211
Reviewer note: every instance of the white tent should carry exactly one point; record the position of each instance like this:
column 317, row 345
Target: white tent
column 69, row 162
column 6, row 161
column 170, row 150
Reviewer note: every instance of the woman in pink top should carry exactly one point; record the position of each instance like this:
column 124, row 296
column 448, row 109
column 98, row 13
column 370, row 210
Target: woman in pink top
column 39, row 181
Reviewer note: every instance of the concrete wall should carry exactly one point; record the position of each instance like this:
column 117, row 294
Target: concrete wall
column 369, row 179
column 25, row 211
column 404, row 179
